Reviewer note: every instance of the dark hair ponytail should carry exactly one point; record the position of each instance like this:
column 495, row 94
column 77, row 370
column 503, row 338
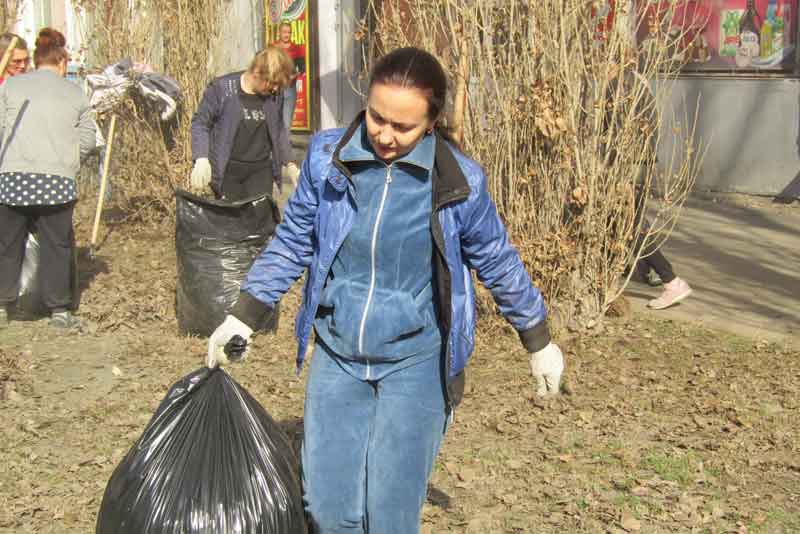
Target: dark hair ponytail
column 412, row 67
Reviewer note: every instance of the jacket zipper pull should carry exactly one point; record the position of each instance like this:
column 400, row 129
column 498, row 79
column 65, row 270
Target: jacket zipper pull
column 389, row 174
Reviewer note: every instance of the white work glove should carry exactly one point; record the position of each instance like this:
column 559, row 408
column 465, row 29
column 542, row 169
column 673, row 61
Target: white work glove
column 290, row 172
column 230, row 327
column 201, row 174
column 546, row 366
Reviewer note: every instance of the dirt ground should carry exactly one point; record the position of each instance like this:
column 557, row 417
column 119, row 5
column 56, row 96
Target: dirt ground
column 664, row 426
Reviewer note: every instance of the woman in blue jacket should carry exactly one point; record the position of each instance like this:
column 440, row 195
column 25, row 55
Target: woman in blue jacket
column 387, row 221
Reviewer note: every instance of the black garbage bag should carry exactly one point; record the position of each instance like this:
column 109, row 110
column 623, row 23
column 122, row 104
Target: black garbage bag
column 30, row 303
column 29, row 299
column 216, row 242
column 210, row 461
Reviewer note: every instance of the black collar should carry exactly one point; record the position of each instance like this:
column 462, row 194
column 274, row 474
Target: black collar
column 447, row 179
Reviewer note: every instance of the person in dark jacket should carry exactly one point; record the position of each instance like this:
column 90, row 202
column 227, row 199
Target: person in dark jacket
column 387, row 221
column 239, row 141
column 47, row 128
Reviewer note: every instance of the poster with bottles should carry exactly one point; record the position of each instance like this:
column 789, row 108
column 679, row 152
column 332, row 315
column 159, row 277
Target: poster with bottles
column 728, row 35
column 288, row 26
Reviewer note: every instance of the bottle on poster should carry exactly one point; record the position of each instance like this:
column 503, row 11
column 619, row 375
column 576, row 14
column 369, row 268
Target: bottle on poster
column 749, row 36
column 730, row 32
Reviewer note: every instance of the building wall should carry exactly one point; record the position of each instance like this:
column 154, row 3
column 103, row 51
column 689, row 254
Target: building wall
column 241, row 36
column 749, row 129
column 59, row 14
column 30, row 15
column 339, row 61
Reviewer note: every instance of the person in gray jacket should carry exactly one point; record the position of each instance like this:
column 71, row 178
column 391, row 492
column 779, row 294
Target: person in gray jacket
column 46, row 130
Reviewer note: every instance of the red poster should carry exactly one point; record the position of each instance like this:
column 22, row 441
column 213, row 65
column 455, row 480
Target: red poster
column 287, row 25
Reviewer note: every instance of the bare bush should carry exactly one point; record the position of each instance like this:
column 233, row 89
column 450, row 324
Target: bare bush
column 565, row 121
column 9, row 14
column 151, row 159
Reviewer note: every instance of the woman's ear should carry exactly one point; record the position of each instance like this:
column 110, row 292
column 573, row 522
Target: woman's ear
column 435, row 123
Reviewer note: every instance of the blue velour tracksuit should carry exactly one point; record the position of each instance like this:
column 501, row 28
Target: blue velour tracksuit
column 387, row 251
column 375, row 411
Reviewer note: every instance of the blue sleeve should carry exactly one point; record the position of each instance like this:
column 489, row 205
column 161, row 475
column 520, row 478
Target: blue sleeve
column 486, row 249
column 291, row 250
column 202, row 121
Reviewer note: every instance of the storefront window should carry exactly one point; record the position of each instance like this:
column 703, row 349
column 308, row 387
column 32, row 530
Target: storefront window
column 727, row 35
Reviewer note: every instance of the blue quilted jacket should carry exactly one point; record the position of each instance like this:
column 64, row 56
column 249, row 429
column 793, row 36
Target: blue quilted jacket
column 467, row 234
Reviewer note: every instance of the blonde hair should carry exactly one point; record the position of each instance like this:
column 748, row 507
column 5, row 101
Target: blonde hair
column 273, row 65
column 6, row 38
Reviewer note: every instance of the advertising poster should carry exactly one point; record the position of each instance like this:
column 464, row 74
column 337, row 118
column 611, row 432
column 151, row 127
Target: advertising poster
column 728, row 35
column 287, row 25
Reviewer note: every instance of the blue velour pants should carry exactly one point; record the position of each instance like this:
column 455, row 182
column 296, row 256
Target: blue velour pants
column 370, row 445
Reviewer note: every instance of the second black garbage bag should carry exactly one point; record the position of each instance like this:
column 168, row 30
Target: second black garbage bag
column 211, row 461
column 30, row 301
column 216, row 242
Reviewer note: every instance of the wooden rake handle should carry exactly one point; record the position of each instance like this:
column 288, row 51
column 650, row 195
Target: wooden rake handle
column 103, row 180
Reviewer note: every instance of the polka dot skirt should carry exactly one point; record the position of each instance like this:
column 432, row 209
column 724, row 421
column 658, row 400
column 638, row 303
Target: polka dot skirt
column 33, row 189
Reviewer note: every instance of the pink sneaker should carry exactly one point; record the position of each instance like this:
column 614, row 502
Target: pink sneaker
column 674, row 291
